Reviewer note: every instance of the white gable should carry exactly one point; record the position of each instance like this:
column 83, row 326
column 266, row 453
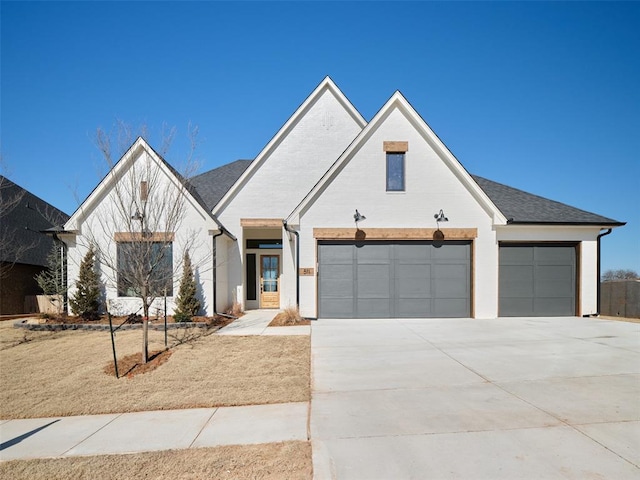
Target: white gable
column 433, row 175
column 295, row 159
column 139, row 156
column 110, row 214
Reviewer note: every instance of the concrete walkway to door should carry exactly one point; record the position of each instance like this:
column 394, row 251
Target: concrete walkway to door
column 475, row 399
column 256, row 322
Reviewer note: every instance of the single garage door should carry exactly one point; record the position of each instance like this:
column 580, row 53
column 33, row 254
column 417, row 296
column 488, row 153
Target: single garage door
column 394, row 279
column 537, row 280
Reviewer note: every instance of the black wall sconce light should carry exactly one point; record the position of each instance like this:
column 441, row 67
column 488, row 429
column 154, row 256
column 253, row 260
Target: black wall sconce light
column 440, row 217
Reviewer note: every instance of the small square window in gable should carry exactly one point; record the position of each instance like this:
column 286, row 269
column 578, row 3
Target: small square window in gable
column 395, row 152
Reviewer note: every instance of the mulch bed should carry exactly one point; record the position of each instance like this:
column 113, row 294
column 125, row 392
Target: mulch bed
column 284, row 320
column 132, row 365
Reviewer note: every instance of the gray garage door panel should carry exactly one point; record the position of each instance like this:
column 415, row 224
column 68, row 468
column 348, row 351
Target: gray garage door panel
column 339, row 285
column 394, row 279
column 537, row 280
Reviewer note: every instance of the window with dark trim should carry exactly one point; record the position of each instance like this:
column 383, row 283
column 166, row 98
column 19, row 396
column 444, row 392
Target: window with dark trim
column 251, row 276
column 395, row 172
column 138, row 261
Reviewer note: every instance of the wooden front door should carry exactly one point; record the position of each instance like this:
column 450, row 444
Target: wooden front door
column 269, row 281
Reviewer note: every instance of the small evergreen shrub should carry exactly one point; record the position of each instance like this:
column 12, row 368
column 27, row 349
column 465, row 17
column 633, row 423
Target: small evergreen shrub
column 181, row 317
column 86, row 300
column 187, row 305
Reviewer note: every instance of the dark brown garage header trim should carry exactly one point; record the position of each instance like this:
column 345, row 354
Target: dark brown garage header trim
column 394, row 233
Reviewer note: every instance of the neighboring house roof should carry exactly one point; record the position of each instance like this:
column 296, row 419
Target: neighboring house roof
column 214, row 184
column 526, row 208
column 326, row 84
column 24, row 218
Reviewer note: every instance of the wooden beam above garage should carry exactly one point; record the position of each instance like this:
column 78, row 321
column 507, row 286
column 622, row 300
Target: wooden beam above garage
column 261, row 222
column 394, row 234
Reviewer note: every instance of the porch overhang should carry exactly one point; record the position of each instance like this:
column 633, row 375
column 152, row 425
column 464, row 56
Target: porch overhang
column 261, row 222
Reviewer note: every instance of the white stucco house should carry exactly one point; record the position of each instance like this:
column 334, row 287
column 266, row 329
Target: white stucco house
column 351, row 218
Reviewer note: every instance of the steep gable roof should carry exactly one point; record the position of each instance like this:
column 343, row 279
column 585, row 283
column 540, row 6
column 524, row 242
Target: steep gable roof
column 326, row 85
column 526, row 208
column 22, row 224
column 112, row 176
column 213, row 185
column 398, row 101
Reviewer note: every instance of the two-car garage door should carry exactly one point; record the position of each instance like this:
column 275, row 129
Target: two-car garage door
column 394, row 279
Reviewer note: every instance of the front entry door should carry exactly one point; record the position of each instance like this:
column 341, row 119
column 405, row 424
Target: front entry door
column 269, row 281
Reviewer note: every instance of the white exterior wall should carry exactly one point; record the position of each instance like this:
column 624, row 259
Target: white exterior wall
column 288, row 291
column 223, row 245
column 98, row 223
column 430, row 185
column 587, row 261
column 284, row 177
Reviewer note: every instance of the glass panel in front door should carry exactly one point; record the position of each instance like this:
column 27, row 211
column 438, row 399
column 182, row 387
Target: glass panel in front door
column 269, row 273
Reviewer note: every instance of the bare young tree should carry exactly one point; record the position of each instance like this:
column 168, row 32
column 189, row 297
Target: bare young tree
column 133, row 230
column 622, row 274
column 51, row 280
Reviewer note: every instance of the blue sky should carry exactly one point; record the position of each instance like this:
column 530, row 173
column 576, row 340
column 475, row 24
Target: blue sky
column 541, row 96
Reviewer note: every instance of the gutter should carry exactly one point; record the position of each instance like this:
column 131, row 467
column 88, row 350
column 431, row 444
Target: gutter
column 224, row 230
column 598, row 303
column 286, row 227
column 511, row 221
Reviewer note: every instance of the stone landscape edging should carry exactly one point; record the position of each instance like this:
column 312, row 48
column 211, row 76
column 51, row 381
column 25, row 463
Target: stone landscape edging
column 52, row 327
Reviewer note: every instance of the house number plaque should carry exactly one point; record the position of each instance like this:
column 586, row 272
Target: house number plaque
column 307, row 272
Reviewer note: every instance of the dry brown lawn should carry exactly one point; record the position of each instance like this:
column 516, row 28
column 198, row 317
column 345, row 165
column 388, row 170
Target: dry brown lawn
column 273, row 461
column 47, row 374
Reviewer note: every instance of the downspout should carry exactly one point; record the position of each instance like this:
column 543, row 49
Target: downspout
column 286, row 227
column 598, row 267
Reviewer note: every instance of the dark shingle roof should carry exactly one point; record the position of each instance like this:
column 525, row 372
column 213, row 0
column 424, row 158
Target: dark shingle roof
column 213, row 185
column 188, row 185
column 523, row 207
column 22, row 224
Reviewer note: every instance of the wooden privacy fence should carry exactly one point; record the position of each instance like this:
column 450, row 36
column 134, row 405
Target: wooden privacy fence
column 43, row 304
column 620, row 298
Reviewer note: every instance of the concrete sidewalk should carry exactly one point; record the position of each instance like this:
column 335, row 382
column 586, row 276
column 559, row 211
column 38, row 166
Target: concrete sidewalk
column 164, row 429
column 151, row 431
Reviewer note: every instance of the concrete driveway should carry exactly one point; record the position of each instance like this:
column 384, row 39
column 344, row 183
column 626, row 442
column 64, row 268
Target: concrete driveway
column 476, row 399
